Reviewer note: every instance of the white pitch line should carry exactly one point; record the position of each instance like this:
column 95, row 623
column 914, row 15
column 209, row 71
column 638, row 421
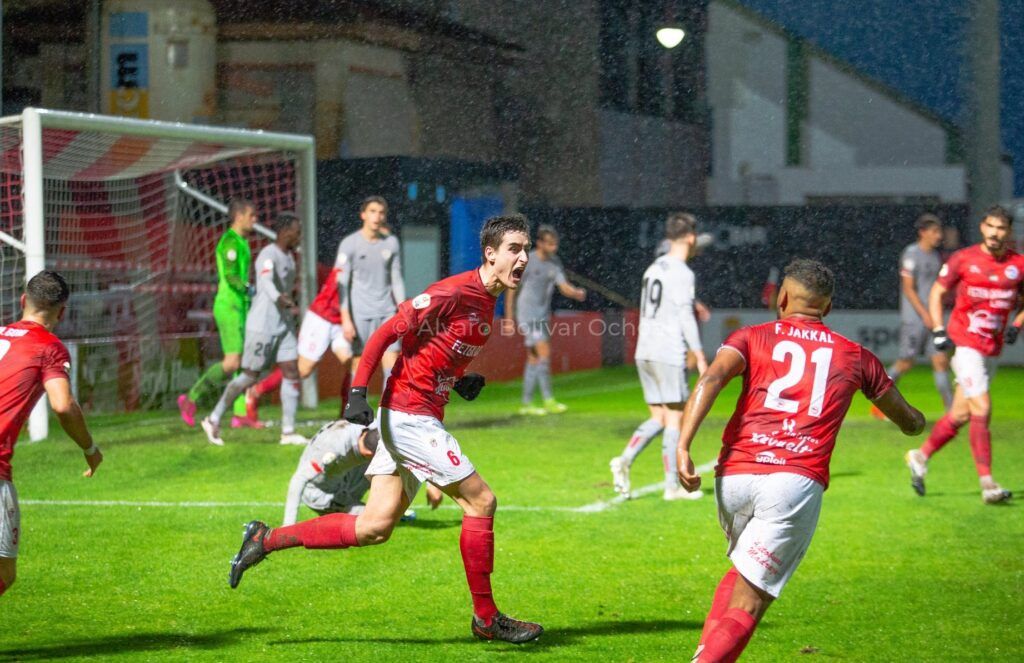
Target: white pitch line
column 594, row 507
column 185, row 505
column 603, row 505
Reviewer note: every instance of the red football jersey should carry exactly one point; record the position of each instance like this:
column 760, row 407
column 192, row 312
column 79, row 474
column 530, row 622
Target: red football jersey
column 444, row 329
column 987, row 290
column 327, row 303
column 799, row 379
column 29, row 356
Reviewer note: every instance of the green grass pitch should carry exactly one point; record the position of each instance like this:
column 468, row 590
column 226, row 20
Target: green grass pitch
column 889, row 577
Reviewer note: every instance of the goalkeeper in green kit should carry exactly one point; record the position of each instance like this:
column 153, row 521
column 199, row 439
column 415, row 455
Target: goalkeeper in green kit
column 230, row 307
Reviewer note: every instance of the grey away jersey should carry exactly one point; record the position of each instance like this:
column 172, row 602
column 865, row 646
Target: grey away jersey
column 533, row 299
column 370, row 276
column 325, row 463
column 923, row 266
column 275, row 274
column 668, row 326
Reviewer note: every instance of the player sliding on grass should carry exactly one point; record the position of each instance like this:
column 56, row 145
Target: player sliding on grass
column 989, row 279
column 269, row 332
column 33, row 360
column 442, row 330
column 330, row 477
column 230, row 307
column 798, row 379
column 668, row 328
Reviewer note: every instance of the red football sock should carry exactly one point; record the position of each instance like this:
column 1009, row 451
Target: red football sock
column 730, row 636
column 720, row 603
column 981, row 445
column 3, row 587
column 477, row 546
column 346, row 384
column 270, row 383
column 335, row 530
column 944, row 431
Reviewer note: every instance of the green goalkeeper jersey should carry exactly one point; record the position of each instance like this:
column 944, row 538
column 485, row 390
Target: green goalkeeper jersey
column 233, row 260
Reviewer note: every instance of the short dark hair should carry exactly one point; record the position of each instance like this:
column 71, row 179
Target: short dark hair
column 47, row 290
column 495, row 228
column 680, row 224
column 813, row 275
column 544, row 231
column 373, row 199
column 999, row 212
column 283, row 220
column 238, row 205
column 926, row 221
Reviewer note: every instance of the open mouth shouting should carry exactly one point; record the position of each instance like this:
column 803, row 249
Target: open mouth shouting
column 517, row 275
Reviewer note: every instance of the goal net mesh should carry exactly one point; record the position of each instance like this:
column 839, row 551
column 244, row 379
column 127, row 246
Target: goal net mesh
column 136, row 250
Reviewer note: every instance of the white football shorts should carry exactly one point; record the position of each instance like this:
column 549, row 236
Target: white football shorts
column 418, row 448
column 10, row 520
column 769, row 520
column 317, row 334
column 973, row 370
column 662, row 383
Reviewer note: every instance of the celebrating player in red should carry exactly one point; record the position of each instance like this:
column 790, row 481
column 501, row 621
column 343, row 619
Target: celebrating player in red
column 33, row 360
column 989, row 279
column 442, row 330
column 798, row 379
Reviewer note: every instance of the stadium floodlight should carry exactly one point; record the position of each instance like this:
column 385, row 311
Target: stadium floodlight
column 670, row 35
column 129, row 211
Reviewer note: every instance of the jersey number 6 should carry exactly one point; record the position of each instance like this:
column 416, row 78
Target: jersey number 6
column 821, row 358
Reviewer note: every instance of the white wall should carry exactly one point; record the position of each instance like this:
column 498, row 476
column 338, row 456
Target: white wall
column 857, row 141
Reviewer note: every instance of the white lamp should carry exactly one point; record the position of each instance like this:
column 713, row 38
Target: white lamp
column 670, row 36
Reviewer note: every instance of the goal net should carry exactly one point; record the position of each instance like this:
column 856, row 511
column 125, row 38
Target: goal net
column 129, row 212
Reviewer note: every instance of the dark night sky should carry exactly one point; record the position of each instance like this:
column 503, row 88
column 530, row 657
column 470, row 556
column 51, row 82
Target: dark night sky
column 915, row 47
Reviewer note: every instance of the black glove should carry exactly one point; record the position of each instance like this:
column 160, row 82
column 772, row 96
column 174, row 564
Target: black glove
column 357, row 410
column 940, row 339
column 469, row 385
column 1011, row 334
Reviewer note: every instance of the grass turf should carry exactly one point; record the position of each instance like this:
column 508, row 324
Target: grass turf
column 889, row 577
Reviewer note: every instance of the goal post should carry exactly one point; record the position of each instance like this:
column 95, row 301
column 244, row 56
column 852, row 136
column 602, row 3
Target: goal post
column 129, row 211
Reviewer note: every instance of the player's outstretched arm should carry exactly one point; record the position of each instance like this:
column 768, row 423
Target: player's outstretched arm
column 900, row 412
column 69, row 414
column 727, row 364
column 358, row 409
column 572, row 292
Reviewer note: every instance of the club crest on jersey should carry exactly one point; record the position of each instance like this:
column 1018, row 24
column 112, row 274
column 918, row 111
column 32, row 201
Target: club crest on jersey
column 386, row 254
column 232, row 255
column 1012, row 272
column 421, row 301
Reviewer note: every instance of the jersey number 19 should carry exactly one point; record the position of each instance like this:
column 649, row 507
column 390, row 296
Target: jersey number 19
column 651, row 298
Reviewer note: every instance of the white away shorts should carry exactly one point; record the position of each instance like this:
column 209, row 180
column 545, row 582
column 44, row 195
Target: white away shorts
column 973, row 370
column 418, row 448
column 662, row 383
column 317, row 334
column 769, row 520
column 10, row 520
